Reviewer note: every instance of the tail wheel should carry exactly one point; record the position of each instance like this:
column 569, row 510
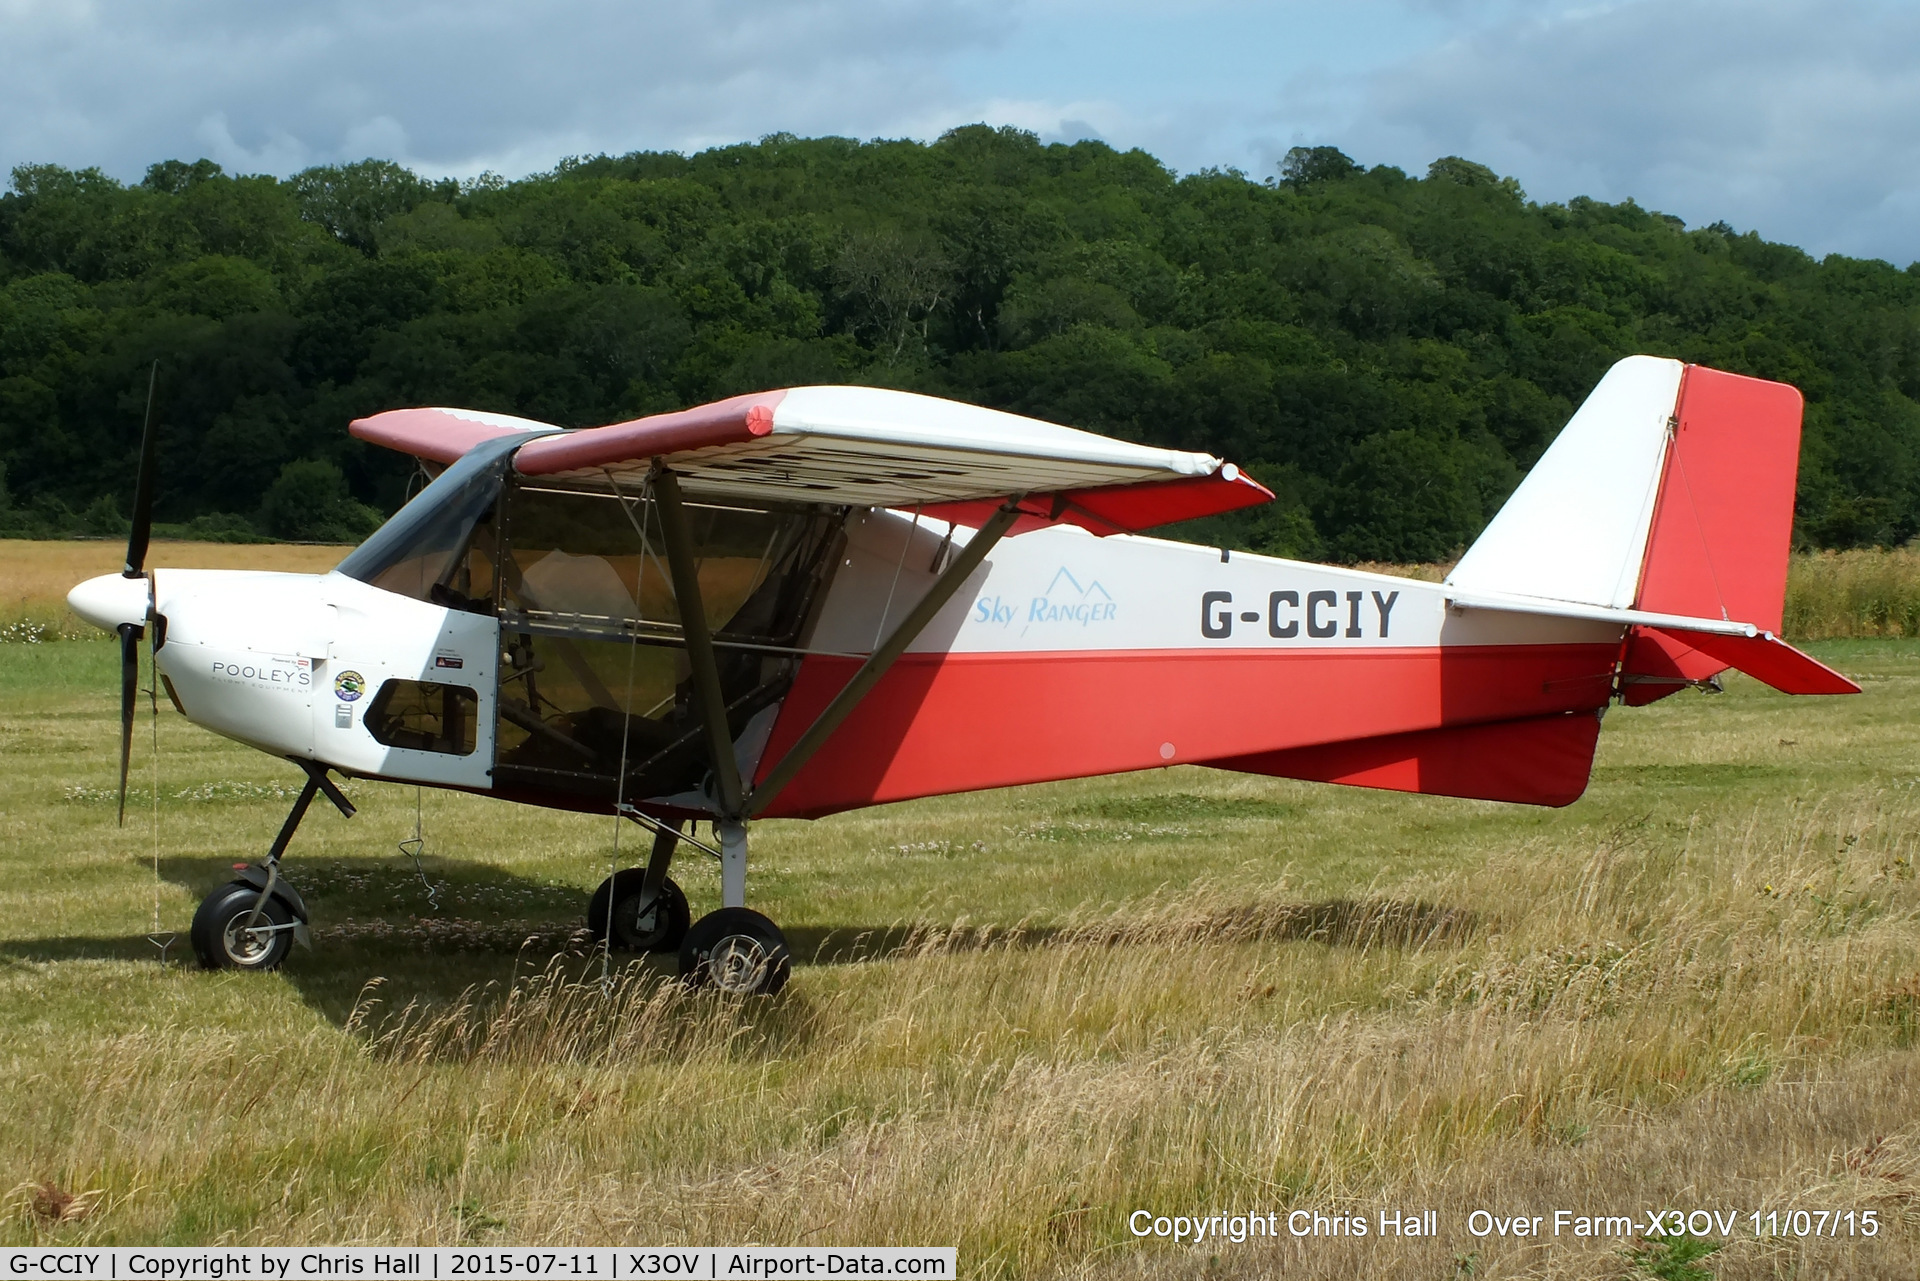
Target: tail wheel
column 737, row 951
column 227, row 935
column 633, row 925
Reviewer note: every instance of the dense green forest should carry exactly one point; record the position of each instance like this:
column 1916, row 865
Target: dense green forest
column 1388, row 353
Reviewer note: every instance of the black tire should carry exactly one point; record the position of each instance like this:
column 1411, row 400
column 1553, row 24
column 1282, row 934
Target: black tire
column 737, row 951
column 664, row 926
column 222, row 939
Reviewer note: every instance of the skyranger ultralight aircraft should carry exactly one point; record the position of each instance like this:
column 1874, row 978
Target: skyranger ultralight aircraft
column 799, row 602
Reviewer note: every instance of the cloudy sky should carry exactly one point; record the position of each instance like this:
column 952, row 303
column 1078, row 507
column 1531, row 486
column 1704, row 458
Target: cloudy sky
column 1797, row 119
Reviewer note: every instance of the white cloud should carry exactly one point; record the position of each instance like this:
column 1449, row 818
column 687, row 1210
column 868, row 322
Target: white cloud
column 1790, row 117
column 1793, row 117
column 279, row 153
column 454, row 88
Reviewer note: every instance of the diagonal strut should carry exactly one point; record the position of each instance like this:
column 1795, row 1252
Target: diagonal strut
column 882, row 658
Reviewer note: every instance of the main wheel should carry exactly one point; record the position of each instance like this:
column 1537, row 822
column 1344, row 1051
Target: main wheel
column 738, row 951
column 224, row 938
column 658, row 927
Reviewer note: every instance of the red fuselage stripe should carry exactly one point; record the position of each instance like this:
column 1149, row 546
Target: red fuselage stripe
column 940, row 723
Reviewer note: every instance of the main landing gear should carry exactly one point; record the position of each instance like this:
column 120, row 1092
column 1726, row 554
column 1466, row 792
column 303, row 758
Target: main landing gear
column 734, row 950
column 642, row 909
column 253, row 921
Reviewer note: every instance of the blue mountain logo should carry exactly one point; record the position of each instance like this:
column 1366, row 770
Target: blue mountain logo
column 1066, row 603
column 1082, row 593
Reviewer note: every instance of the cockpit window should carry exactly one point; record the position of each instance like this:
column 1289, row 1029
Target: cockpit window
column 595, row 695
column 597, row 560
column 439, row 547
column 595, row 679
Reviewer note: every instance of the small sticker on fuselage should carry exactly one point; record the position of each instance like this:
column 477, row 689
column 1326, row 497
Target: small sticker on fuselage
column 448, row 660
column 348, row 686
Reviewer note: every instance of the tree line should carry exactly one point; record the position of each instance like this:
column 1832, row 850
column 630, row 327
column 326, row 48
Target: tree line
column 1388, row 353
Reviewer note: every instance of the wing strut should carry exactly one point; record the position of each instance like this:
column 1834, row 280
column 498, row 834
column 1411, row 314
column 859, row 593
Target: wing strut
column 882, row 658
column 693, row 626
column 735, row 804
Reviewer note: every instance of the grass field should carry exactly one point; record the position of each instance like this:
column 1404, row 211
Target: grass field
column 36, row 576
column 1020, row 1015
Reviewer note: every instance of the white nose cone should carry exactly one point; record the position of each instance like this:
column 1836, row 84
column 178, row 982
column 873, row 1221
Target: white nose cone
column 110, row 600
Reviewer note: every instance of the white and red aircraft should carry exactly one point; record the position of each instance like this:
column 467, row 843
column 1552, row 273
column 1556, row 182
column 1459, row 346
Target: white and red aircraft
column 799, row 602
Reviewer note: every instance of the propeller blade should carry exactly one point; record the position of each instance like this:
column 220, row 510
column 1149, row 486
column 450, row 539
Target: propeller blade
column 139, row 535
column 129, row 686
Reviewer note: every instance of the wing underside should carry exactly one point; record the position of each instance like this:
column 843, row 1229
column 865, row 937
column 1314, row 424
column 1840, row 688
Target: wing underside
column 858, row 446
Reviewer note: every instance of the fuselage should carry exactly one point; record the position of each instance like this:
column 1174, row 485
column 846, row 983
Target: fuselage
column 1065, row 655
column 516, row 629
column 744, row 610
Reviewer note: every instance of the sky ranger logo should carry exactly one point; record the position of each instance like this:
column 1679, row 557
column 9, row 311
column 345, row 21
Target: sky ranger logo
column 1065, row 603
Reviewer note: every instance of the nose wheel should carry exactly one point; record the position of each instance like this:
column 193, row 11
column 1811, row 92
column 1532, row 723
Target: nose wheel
column 234, row 929
column 252, row 923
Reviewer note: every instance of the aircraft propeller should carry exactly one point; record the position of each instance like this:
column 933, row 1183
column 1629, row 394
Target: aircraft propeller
column 130, row 633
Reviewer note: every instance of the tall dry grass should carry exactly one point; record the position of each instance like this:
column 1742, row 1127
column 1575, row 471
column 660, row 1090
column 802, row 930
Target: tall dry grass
column 1719, row 1017
column 1869, row 592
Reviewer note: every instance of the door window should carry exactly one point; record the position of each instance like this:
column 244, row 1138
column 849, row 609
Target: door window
column 596, row 673
column 426, row 716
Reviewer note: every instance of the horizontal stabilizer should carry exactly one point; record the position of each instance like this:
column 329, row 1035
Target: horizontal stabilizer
column 1768, row 659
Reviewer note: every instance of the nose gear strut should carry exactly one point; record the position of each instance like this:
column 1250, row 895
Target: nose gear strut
column 253, row 921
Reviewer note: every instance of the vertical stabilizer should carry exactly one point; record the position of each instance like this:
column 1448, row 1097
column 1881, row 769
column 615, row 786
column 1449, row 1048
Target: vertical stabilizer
column 1576, row 529
column 1670, row 492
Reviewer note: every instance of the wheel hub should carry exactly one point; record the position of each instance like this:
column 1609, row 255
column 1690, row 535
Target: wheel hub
column 737, row 964
column 645, row 919
column 245, row 944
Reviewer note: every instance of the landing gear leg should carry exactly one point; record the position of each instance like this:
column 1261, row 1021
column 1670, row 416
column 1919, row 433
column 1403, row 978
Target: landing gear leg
column 252, row 922
column 642, row 910
column 735, row 949
column 733, row 863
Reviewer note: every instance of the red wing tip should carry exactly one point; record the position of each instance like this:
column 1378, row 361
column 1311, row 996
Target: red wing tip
column 1233, row 473
column 759, row 419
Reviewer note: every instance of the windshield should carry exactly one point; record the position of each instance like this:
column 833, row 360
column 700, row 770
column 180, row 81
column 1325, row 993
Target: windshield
column 424, row 547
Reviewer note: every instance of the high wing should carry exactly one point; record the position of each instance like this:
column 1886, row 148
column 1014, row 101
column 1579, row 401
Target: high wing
column 859, row 446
